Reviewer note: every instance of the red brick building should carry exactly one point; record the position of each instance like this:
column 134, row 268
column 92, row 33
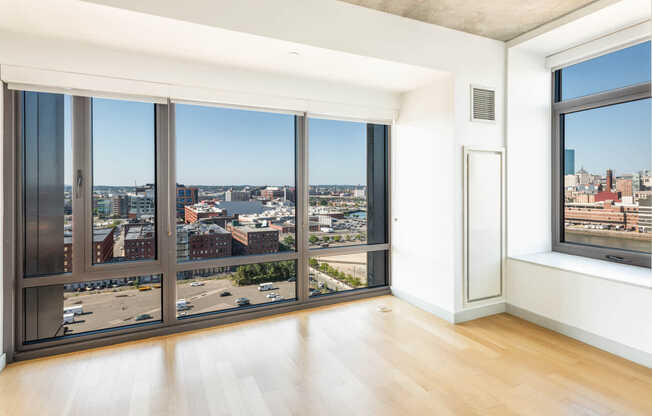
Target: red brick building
column 196, row 212
column 250, row 240
column 139, row 242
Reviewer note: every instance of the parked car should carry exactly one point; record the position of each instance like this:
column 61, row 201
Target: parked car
column 225, row 293
column 265, row 286
column 195, row 284
column 271, row 295
column 143, row 317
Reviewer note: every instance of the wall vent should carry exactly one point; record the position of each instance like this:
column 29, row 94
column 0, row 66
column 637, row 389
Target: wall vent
column 483, row 104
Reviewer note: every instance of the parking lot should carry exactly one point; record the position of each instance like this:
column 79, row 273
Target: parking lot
column 110, row 308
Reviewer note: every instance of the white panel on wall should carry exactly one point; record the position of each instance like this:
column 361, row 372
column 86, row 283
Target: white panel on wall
column 484, row 223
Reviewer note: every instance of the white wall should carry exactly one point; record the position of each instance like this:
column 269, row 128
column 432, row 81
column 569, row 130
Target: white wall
column 528, row 153
column 423, row 171
column 605, row 309
column 612, row 310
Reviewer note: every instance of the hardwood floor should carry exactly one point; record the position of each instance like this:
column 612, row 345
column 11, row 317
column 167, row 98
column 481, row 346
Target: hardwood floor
column 348, row 359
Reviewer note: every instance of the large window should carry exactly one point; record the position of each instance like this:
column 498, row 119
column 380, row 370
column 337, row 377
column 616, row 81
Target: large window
column 124, row 185
column 185, row 213
column 235, row 187
column 602, row 157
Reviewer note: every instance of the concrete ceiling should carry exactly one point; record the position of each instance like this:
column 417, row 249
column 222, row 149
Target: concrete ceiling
column 496, row 19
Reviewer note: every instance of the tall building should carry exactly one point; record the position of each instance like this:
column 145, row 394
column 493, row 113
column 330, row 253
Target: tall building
column 120, row 205
column 186, row 195
column 232, row 195
column 624, row 186
column 569, row 162
column 610, row 180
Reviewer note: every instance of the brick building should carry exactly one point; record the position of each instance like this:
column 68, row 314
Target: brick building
column 251, row 240
column 139, row 242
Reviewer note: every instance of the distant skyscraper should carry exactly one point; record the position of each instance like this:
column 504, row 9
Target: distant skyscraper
column 610, row 180
column 569, row 162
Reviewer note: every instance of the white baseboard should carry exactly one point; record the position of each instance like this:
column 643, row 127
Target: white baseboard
column 629, row 353
column 426, row 306
column 479, row 312
column 3, row 361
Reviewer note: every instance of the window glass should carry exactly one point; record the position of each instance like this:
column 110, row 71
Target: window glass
column 618, row 69
column 235, row 287
column 608, row 180
column 47, row 180
column 347, row 175
column 124, row 186
column 338, row 273
column 71, row 309
column 235, row 192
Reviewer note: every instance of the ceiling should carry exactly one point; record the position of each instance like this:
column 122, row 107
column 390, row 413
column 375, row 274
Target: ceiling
column 497, row 19
column 142, row 33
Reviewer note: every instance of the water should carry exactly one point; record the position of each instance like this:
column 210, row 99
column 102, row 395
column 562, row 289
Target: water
column 609, row 241
column 358, row 214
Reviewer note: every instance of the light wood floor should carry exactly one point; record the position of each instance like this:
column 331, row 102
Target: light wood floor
column 347, row 359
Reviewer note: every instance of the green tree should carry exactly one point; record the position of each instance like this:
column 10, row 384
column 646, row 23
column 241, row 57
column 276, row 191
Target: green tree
column 323, row 202
column 313, row 239
column 337, row 238
column 326, row 239
column 289, row 241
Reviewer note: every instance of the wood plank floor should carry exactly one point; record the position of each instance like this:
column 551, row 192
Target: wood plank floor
column 348, row 359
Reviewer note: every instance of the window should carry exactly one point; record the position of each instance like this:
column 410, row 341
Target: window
column 339, row 273
column 186, row 213
column 76, row 308
column 236, row 188
column 347, row 193
column 124, row 185
column 235, row 287
column 601, row 158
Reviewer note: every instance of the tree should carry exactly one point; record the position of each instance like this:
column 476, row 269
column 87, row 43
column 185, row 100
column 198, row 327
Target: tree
column 337, row 238
column 326, row 239
column 313, row 239
column 349, row 237
column 289, row 241
column 323, row 202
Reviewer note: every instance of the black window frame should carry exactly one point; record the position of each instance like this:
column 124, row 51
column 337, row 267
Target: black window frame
column 560, row 108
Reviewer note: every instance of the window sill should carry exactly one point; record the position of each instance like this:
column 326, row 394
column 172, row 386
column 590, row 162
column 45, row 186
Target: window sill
column 631, row 275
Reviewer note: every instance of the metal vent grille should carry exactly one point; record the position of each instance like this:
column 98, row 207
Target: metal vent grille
column 483, row 104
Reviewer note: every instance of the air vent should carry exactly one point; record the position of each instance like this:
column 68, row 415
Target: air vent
column 483, row 104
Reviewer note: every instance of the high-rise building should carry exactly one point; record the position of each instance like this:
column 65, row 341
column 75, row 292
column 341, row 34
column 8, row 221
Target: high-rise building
column 232, row 195
column 569, row 162
column 624, row 186
column 610, row 180
column 120, row 205
column 186, row 195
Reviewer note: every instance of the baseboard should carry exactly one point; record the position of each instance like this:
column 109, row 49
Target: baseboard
column 479, row 312
column 3, row 361
column 426, row 306
column 629, row 353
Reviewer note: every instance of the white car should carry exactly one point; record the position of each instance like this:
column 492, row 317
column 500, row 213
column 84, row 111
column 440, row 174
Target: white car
column 195, row 284
column 271, row 295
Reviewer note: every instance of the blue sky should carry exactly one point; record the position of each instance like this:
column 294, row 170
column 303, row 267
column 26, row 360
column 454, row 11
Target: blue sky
column 616, row 137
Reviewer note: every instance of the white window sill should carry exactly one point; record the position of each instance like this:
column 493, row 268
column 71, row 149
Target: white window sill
column 632, row 275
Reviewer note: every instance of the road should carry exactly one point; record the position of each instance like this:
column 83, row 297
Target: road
column 109, row 309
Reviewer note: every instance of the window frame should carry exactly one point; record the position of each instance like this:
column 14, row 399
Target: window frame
column 559, row 109
column 165, row 263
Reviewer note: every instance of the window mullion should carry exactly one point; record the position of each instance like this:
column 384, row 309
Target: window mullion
column 301, row 206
